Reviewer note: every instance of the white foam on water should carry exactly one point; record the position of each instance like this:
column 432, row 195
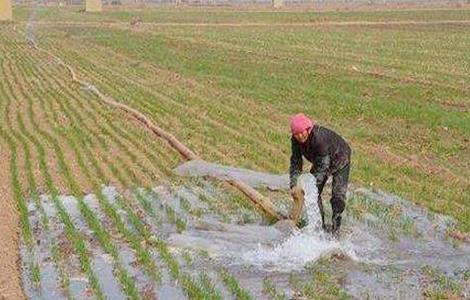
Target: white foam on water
column 306, row 245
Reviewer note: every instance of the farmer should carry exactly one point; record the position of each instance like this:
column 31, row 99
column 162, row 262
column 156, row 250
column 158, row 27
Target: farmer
column 330, row 155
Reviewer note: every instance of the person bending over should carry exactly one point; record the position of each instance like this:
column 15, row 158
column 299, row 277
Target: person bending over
column 330, row 155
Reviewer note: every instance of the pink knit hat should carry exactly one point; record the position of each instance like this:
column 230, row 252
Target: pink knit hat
column 299, row 123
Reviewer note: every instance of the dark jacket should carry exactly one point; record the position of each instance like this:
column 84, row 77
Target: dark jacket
column 325, row 149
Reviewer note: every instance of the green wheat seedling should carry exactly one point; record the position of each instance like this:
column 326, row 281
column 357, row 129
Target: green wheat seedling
column 103, row 132
column 269, row 288
column 35, row 271
column 135, row 137
column 190, row 287
column 129, row 286
column 209, row 288
column 262, row 80
column 186, row 206
column 72, row 233
column 187, row 257
column 56, row 255
column 15, row 181
column 145, row 203
column 391, row 218
column 127, row 136
column 174, row 218
column 440, row 286
column 142, row 255
column 233, row 285
column 103, row 237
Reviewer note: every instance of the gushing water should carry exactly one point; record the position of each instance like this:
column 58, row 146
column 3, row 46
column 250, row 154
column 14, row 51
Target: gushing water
column 305, row 245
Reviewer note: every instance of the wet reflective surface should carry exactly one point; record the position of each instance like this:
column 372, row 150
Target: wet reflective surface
column 388, row 248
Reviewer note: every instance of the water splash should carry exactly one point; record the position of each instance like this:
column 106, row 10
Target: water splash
column 309, row 185
column 304, row 246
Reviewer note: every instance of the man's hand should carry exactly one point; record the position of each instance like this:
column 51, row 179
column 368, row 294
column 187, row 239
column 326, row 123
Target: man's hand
column 292, row 192
column 298, row 199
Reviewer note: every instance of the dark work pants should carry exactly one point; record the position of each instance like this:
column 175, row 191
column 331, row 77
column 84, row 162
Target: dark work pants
column 338, row 191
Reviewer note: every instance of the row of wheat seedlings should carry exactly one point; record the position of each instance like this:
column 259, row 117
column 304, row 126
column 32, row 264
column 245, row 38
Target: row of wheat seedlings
column 124, row 92
column 230, row 281
column 143, row 256
column 73, row 234
column 142, row 95
column 191, row 96
column 157, row 155
column 32, row 188
column 98, row 78
column 77, row 192
column 99, row 131
column 187, row 279
column 190, row 287
column 177, row 207
column 105, row 240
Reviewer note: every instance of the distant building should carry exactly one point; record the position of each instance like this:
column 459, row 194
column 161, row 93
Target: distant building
column 5, row 10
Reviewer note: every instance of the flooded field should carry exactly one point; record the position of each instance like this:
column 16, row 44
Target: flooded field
column 388, row 248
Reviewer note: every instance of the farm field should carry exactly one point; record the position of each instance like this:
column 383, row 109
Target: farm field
column 93, row 209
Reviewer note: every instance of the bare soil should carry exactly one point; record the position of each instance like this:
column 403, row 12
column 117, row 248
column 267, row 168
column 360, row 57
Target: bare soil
column 10, row 280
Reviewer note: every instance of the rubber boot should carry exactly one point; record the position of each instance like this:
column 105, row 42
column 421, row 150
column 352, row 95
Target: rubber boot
column 322, row 213
column 336, row 223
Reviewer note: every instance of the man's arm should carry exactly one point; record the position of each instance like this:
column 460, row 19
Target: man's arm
column 295, row 163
